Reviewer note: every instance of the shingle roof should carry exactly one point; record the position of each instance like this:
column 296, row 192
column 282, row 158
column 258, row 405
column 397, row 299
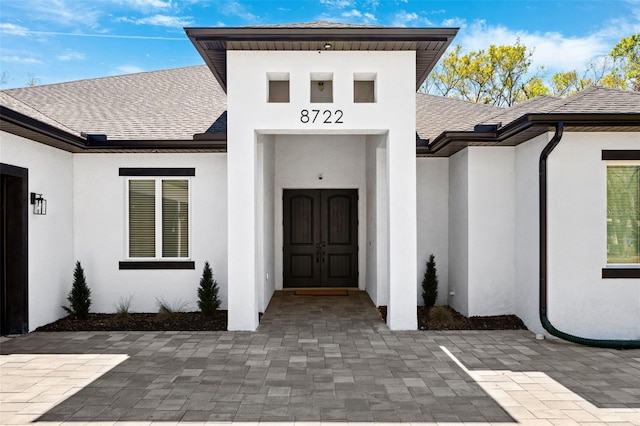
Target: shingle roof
column 177, row 103
column 593, row 99
column 600, row 99
column 19, row 106
column 437, row 114
column 169, row 104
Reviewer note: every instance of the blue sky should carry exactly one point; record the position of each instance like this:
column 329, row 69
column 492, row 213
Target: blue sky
column 61, row 40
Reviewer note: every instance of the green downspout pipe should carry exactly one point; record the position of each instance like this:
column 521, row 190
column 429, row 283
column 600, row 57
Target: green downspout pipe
column 601, row 343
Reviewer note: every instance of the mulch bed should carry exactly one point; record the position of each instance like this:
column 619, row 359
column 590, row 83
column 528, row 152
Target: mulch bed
column 447, row 318
column 438, row 318
column 180, row 321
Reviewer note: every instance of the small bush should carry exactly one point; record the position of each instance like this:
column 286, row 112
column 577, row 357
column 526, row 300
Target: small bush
column 171, row 308
column 123, row 306
column 430, row 283
column 208, row 301
column 80, row 295
column 440, row 315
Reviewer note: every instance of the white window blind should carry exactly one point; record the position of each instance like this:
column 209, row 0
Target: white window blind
column 142, row 218
column 175, row 218
column 623, row 214
column 158, row 218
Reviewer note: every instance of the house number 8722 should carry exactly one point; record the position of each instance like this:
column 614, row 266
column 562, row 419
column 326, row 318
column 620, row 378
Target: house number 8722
column 325, row 117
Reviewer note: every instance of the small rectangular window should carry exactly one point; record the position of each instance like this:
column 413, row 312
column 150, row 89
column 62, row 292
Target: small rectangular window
column 158, row 214
column 321, row 87
column 623, row 214
column 278, row 87
column 364, row 88
column 142, row 218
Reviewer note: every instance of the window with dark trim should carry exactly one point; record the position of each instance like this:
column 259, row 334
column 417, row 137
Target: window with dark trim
column 623, row 214
column 157, row 218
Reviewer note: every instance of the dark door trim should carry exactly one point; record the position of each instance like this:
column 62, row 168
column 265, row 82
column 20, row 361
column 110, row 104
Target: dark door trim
column 20, row 244
column 320, row 238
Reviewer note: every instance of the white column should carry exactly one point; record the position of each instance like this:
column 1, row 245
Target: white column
column 241, row 173
column 401, row 172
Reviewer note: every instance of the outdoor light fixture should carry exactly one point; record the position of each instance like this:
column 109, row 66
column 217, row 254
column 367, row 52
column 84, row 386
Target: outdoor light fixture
column 327, row 46
column 321, row 86
column 39, row 204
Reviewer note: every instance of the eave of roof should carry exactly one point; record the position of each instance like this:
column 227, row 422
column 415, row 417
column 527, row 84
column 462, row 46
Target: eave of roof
column 213, row 43
column 527, row 127
column 22, row 125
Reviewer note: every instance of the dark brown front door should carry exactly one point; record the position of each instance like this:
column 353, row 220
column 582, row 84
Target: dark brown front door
column 13, row 250
column 320, row 237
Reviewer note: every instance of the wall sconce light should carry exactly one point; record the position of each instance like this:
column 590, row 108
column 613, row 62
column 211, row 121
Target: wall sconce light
column 327, row 46
column 39, row 204
column 321, row 86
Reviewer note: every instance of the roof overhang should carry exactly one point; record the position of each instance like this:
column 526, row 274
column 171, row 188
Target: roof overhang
column 213, row 43
column 21, row 125
column 527, row 127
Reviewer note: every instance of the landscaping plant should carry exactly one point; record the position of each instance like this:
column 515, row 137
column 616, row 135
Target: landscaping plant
column 80, row 295
column 208, row 301
column 430, row 283
column 171, row 309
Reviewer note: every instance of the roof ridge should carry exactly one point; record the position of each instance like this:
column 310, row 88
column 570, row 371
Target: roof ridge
column 62, row 125
column 102, row 78
column 461, row 100
column 578, row 95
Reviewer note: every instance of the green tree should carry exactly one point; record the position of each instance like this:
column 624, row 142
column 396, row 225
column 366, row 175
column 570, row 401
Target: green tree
column 80, row 295
column 208, row 301
column 430, row 283
column 626, row 56
column 620, row 69
column 500, row 75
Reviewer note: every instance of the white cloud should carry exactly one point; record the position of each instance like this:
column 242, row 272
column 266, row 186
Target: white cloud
column 63, row 12
column 129, row 69
column 369, row 17
column 365, row 17
column 21, row 59
column 148, row 4
column 13, row 29
column 70, row 55
column 454, row 22
column 353, row 13
column 233, row 8
column 404, row 18
column 553, row 50
column 337, row 3
column 159, row 20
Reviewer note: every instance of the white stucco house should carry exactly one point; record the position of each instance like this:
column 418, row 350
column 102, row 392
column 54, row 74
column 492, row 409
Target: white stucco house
column 302, row 156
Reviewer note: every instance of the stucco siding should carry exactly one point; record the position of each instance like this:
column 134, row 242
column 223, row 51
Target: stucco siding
column 100, row 230
column 528, row 232
column 433, row 222
column 51, row 258
column 491, row 237
column 459, row 231
column 581, row 302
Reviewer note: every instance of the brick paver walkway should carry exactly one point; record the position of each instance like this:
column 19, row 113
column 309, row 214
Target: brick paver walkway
column 315, row 359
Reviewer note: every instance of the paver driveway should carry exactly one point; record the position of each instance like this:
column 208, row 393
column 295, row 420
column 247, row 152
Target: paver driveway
column 315, row 359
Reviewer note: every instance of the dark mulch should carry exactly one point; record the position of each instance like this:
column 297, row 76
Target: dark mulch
column 180, row 321
column 438, row 318
column 446, row 318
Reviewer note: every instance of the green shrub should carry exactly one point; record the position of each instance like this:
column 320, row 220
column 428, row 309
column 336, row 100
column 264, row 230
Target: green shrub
column 80, row 295
column 171, row 309
column 440, row 315
column 430, row 283
column 123, row 306
column 208, row 301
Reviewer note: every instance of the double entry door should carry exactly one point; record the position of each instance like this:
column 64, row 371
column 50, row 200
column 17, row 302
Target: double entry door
column 320, row 237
